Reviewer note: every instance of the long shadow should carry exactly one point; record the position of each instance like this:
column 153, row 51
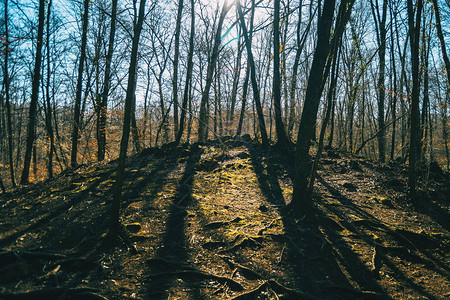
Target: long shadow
column 174, row 245
column 164, row 161
column 46, row 218
column 309, row 268
column 160, row 169
column 367, row 239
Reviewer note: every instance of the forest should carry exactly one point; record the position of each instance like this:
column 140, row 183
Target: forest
column 224, row 149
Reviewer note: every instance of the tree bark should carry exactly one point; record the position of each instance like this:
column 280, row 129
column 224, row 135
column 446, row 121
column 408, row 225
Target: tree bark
column 103, row 109
column 318, row 73
column 77, row 109
column 414, row 35
column 48, row 110
column 380, row 26
column 204, row 115
column 7, row 100
column 34, row 96
column 175, row 67
column 441, row 40
column 188, row 81
column 256, row 95
column 282, row 139
column 116, row 202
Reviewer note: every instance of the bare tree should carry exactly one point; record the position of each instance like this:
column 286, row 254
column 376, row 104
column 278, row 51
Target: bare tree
column 175, row 66
column 117, row 198
column 31, row 128
column 6, row 83
column 188, row 80
column 77, row 109
column 252, row 67
column 414, row 36
column 103, row 105
column 203, row 118
column 282, row 139
column 301, row 201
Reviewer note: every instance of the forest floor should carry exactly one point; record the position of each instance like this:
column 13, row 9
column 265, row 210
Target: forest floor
column 209, row 222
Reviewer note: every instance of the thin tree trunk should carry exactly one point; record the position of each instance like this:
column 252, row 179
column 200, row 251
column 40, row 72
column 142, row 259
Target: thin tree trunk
column 188, row 81
column 77, row 110
column 48, row 115
column 7, row 100
column 34, row 96
column 175, row 67
column 441, row 40
column 102, row 118
column 237, row 74
column 395, row 91
column 256, row 95
column 117, row 198
column 282, row 139
column 203, row 118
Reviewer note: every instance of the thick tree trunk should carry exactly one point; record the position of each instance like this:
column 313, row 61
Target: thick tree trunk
column 414, row 35
column 77, row 109
column 301, row 202
column 34, row 96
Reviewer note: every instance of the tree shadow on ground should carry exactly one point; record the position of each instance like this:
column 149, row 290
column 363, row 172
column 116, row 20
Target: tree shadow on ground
column 172, row 255
column 62, row 206
column 315, row 261
column 366, row 233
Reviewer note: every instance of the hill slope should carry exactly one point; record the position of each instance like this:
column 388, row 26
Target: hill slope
column 208, row 222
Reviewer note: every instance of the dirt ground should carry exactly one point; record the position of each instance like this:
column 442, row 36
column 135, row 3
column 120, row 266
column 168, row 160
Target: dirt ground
column 209, row 222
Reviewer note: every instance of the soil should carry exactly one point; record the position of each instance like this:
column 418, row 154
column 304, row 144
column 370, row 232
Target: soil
column 210, row 222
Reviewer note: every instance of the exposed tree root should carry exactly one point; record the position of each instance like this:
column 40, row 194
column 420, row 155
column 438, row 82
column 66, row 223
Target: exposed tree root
column 252, row 294
column 218, row 224
column 278, row 287
column 366, row 294
column 203, row 275
column 23, row 255
column 56, row 294
column 246, row 272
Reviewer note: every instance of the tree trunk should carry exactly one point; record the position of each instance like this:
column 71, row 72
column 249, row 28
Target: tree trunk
column 300, row 200
column 7, row 100
column 414, row 35
column 116, row 202
column 204, row 115
column 282, row 139
column 77, row 110
column 237, row 74
column 256, row 95
column 34, row 96
column 102, row 118
column 175, row 67
column 48, row 110
column 188, row 81
column 441, row 40
column 380, row 26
